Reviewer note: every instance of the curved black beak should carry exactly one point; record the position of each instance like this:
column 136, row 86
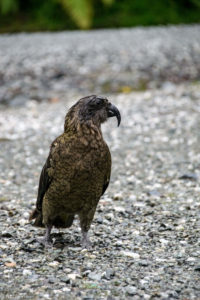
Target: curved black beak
column 114, row 112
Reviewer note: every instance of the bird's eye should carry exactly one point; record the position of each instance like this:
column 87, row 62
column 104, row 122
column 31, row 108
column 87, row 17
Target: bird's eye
column 96, row 102
column 99, row 101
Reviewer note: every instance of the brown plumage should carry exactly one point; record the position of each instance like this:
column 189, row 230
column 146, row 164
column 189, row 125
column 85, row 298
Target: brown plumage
column 77, row 170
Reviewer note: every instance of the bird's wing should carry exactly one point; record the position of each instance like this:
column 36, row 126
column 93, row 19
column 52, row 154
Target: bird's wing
column 106, row 184
column 44, row 183
column 46, row 176
column 107, row 172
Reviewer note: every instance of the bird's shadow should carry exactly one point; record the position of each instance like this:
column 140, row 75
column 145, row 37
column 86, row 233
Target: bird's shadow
column 61, row 240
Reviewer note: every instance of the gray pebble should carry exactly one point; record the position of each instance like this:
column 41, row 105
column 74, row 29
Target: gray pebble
column 131, row 290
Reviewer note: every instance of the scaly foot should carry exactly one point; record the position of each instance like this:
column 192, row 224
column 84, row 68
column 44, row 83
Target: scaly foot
column 86, row 244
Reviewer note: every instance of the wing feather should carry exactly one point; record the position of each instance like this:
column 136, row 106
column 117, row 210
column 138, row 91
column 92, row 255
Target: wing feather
column 45, row 176
column 107, row 172
column 44, row 183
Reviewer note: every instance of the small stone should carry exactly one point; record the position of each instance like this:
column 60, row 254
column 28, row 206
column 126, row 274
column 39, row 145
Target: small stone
column 118, row 196
column 18, row 100
column 191, row 259
column 72, row 276
column 89, row 266
column 189, row 176
column 94, row 276
column 131, row 179
column 52, row 280
column 109, row 216
column 155, row 193
column 85, row 273
column 22, row 222
column 197, row 268
column 131, row 290
column 130, row 254
column 119, row 209
column 164, row 241
column 46, row 296
column 6, row 234
column 132, row 198
column 27, row 272
column 53, row 264
column 66, row 289
column 180, row 228
column 143, row 282
column 67, row 270
column 10, row 264
column 99, row 220
column 26, row 215
column 109, row 274
column 65, row 279
column 143, row 263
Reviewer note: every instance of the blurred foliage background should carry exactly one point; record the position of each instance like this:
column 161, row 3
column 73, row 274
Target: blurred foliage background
column 37, row 15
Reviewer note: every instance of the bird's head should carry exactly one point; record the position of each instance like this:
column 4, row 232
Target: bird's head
column 93, row 109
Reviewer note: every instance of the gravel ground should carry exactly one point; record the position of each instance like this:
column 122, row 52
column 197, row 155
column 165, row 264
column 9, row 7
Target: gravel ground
column 45, row 65
column 146, row 231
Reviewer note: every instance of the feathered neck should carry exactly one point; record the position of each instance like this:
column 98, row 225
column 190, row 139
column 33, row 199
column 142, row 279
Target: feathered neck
column 75, row 126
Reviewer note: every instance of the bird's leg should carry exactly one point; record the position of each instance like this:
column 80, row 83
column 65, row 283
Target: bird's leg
column 85, row 240
column 86, row 218
column 47, row 238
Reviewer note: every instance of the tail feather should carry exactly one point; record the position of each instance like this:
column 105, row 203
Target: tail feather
column 33, row 214
column 58, row 222
column 37, row 215
column 63, row 222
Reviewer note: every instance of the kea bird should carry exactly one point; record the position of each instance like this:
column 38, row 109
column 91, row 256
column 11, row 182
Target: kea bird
column 77, row 171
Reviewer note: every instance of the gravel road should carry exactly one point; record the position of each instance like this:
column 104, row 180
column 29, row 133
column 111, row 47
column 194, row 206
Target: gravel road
column 42, row 66
column 146, row 231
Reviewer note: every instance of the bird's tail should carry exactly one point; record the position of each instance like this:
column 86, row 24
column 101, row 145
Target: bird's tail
column 65, row 222
column 58, row 222
column 37, row 215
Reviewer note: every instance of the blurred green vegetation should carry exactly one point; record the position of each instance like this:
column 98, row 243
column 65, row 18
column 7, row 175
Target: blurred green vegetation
column 35, row 15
